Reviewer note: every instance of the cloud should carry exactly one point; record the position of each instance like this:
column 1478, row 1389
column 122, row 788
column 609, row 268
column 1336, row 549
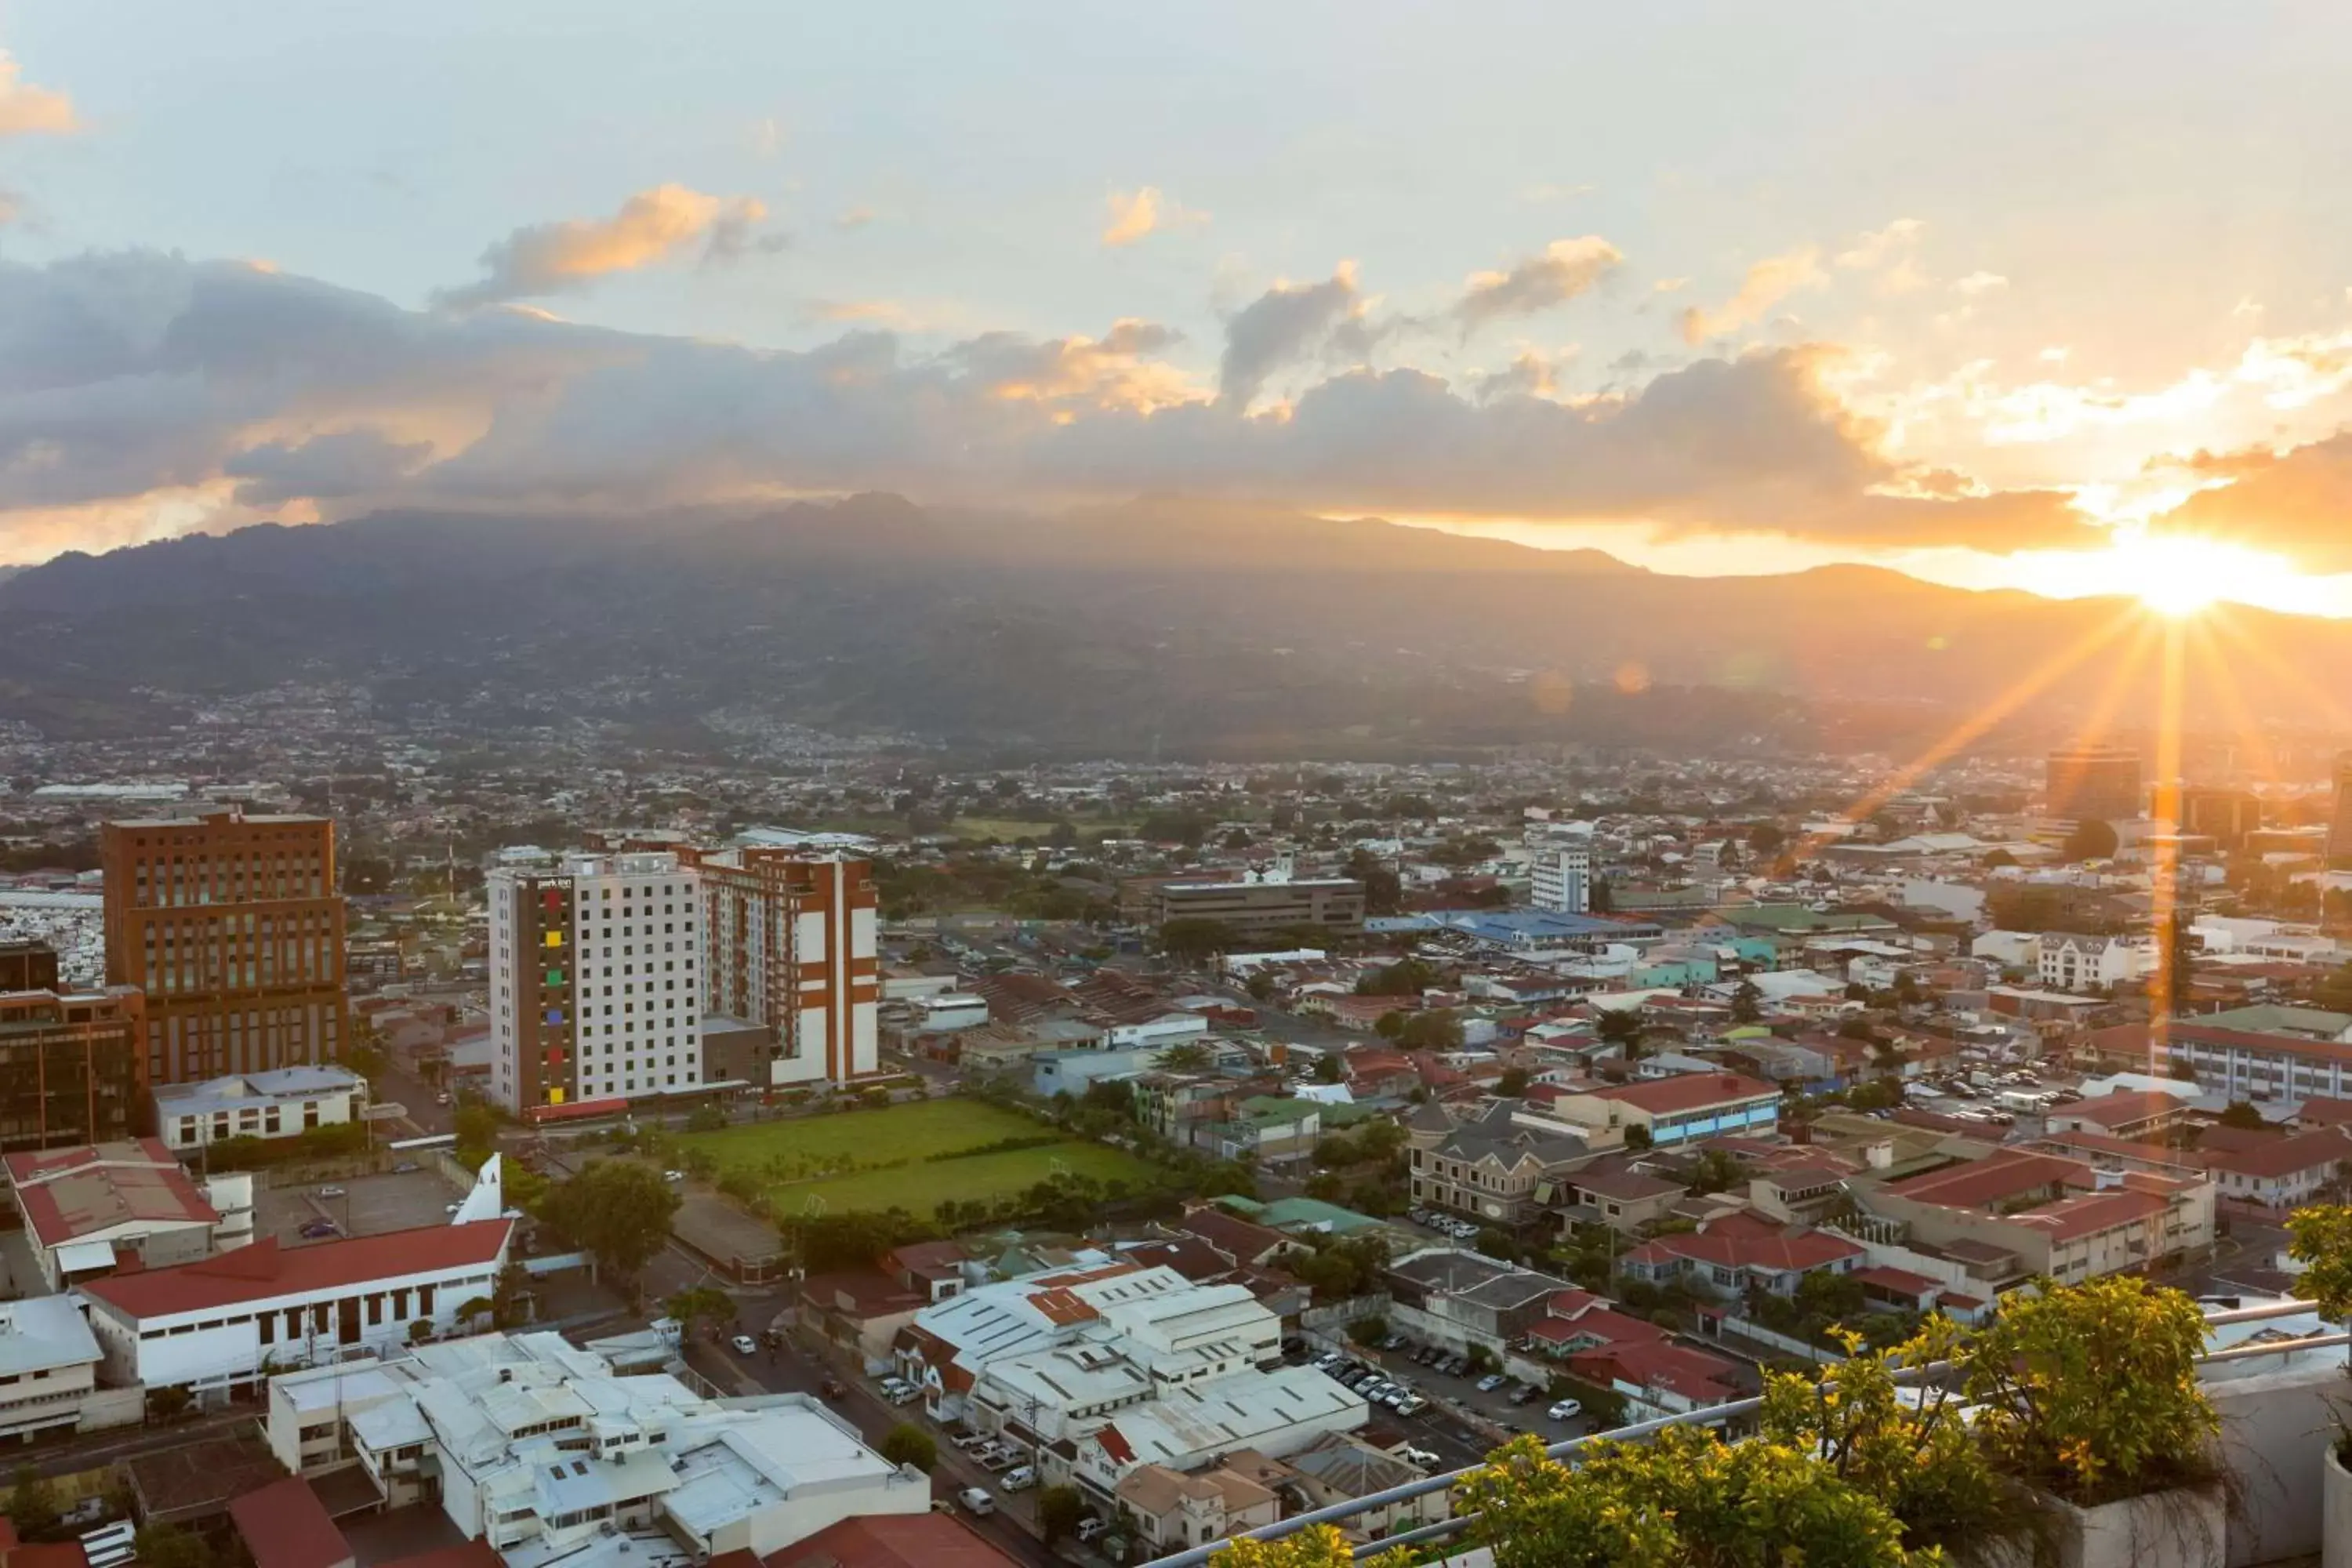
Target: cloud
column 2293, row 503
column 143, row 393
column 1768, row 283
column 887, row 313
column 331, row 466
column 1531, row 375
column 651, row 227
column 1129, row 215
column 1289, row 324
column 853, row 218
column 29, row 110
column 1979, row 283
column 735, row 234
column 1562, row 270
column 12, row 206
column 1890, row 255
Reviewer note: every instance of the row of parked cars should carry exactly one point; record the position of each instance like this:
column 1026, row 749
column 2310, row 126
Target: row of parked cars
column 1376, row 1386
column 1453, row 1364
column 898, row 1391
column 993, row 1456
column 1460, row 1229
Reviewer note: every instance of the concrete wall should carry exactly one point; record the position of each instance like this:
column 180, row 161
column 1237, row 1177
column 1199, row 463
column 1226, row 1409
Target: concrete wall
column 2275, row 1427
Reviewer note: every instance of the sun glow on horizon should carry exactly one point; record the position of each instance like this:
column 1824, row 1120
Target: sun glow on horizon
column 2181, row 575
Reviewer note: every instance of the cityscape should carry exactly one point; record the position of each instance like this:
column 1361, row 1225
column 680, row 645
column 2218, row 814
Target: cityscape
column 692, row 876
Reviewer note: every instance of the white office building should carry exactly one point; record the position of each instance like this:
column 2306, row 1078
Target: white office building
column 547, row 1454
column 596, row 979
column 1561, row 870
column 283, row 1103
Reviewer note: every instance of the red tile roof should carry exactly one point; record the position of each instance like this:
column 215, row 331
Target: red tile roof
column 2091, row 1213
column 2276, row 1157
column 1605, row 1324
column 1647, row 1363
column 1741, row 1240
column 1894, row 1281
column 1687, row 1091
column 287, row 1527
column 2323, row 1111
column 70, row 1192
column 264, row 1269
column 892, row 1540
column 1995, row 1179
column 2121, row 1110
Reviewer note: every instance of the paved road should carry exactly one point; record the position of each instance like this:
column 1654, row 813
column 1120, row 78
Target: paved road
column 416, row 1096
column 794, row 1370
column 99, row 1448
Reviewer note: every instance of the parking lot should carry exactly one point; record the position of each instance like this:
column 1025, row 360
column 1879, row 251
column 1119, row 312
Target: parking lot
column 360, row 1205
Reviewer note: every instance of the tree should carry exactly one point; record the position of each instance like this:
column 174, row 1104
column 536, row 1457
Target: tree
column 168, row 1403
column 1431, row 1031
column 420, row 1331
column 510, row 1295
column 1188, row 1055
column 618, row 1210
column 1766, row 839
column 172, row 1546
column 32, row 1504
column 1329, row 1069
column 1405, row 977
column 2091, row 840
column 476, row 1127
column 1059, row 1511
column 1879, row 1094
column 1317, row 1546
column 1513, row 1085
column 1637, row 1137
column 1261, row 986
column 907, row 1444
column 1496, row 1243
column 701, row 1304
column 1622, row 1027
column 2241, row 1114
column 1190, row 940
column 1747, row 1002
column 706, row 1118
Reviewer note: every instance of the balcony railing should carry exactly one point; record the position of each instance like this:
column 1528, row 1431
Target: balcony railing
column 1445, row 1529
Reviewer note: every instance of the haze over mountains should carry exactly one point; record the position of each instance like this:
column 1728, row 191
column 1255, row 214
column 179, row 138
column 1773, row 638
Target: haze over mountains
column 1161, row 622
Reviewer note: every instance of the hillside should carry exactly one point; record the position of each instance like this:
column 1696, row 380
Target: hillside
column 1159, row 623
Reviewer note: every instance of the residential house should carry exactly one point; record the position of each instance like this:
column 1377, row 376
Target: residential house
column 1340, row 1466
column 1465, row 1299
column 2280, row 1173
column 1169, row 1510
column 2126, row 1113
column 1659, row 1378
column 1669, row 1111
column 1737, row 1252
column 2068, row 961
column 1493, row 1166
column 1618, row 1193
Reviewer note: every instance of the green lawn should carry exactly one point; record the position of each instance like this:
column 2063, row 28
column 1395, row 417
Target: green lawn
column 919, row 1189
column 913, row 1134
column 902, row 1132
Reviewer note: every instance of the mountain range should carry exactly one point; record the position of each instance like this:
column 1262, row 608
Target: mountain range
column 1162, row 623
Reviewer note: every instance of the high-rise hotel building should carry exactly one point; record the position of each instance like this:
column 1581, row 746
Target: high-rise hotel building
column 596, row 979
column 794, row 949
column 232, row 926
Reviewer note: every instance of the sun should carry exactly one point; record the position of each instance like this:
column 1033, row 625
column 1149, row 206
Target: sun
column 2183, row 573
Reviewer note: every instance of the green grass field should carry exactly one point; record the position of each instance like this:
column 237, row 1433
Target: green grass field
column 913, row 1134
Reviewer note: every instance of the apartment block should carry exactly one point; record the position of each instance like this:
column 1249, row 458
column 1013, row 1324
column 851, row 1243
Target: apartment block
column 1561, row 876
column 71, row 1065
column 792, row 949
column 1260, row 906
column 232, row 926
column 596, row 980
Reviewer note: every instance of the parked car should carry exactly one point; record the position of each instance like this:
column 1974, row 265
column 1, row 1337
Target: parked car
column 1525, row 1393
column 833, row 1388
column 319, row 1229
column 331, row 1191
column 977, row 1502
column 1565, row 1410
column 745, row 1344
column 1491, row 1382
column 1411, row 1405
column 1394, row 1342
column 1425, row 1458
column 1020, row 1479
column 1088, row 1529
column 673, row 1175
column 1455, row 1365
column 1427, row 1354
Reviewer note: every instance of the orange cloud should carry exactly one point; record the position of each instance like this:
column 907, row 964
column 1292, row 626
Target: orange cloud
column 28, row 110
column 1768, row 283
column 650, row 226
column 1132, row 215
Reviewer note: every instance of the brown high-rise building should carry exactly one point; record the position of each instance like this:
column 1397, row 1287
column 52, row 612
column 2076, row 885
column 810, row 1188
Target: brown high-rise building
column 69, row 1067
column 2095, row 784
column 232, row 926
column 793, row 938
column 28, row 966
column 2339, row 822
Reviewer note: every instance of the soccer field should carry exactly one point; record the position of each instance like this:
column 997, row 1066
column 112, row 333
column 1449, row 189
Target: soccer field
column 916, row 1135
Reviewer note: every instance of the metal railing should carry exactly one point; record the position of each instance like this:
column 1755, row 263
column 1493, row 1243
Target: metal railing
column 1713, row 1415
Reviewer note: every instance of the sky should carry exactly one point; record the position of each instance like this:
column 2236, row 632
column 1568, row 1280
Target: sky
column 2054, row 297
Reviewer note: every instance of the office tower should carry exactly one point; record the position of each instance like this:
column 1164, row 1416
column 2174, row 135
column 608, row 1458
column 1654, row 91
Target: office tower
column 2339, row 823
column 1562, row 876
column 70, row 1066
column 792, row 949
column 2095, row 784
column 2225, row 816
column 28, row 966
column 232, row 926
column 595, row 983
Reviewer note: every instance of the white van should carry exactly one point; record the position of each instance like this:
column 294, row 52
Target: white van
column 977, row 1502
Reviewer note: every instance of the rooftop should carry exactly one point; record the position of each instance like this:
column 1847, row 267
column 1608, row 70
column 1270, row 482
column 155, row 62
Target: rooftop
column 264, row 1271
column 96, row 1188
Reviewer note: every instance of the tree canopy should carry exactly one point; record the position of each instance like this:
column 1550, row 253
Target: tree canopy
column 619, row 1210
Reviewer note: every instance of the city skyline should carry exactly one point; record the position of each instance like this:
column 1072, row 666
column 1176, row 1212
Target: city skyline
column 1714, row 292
